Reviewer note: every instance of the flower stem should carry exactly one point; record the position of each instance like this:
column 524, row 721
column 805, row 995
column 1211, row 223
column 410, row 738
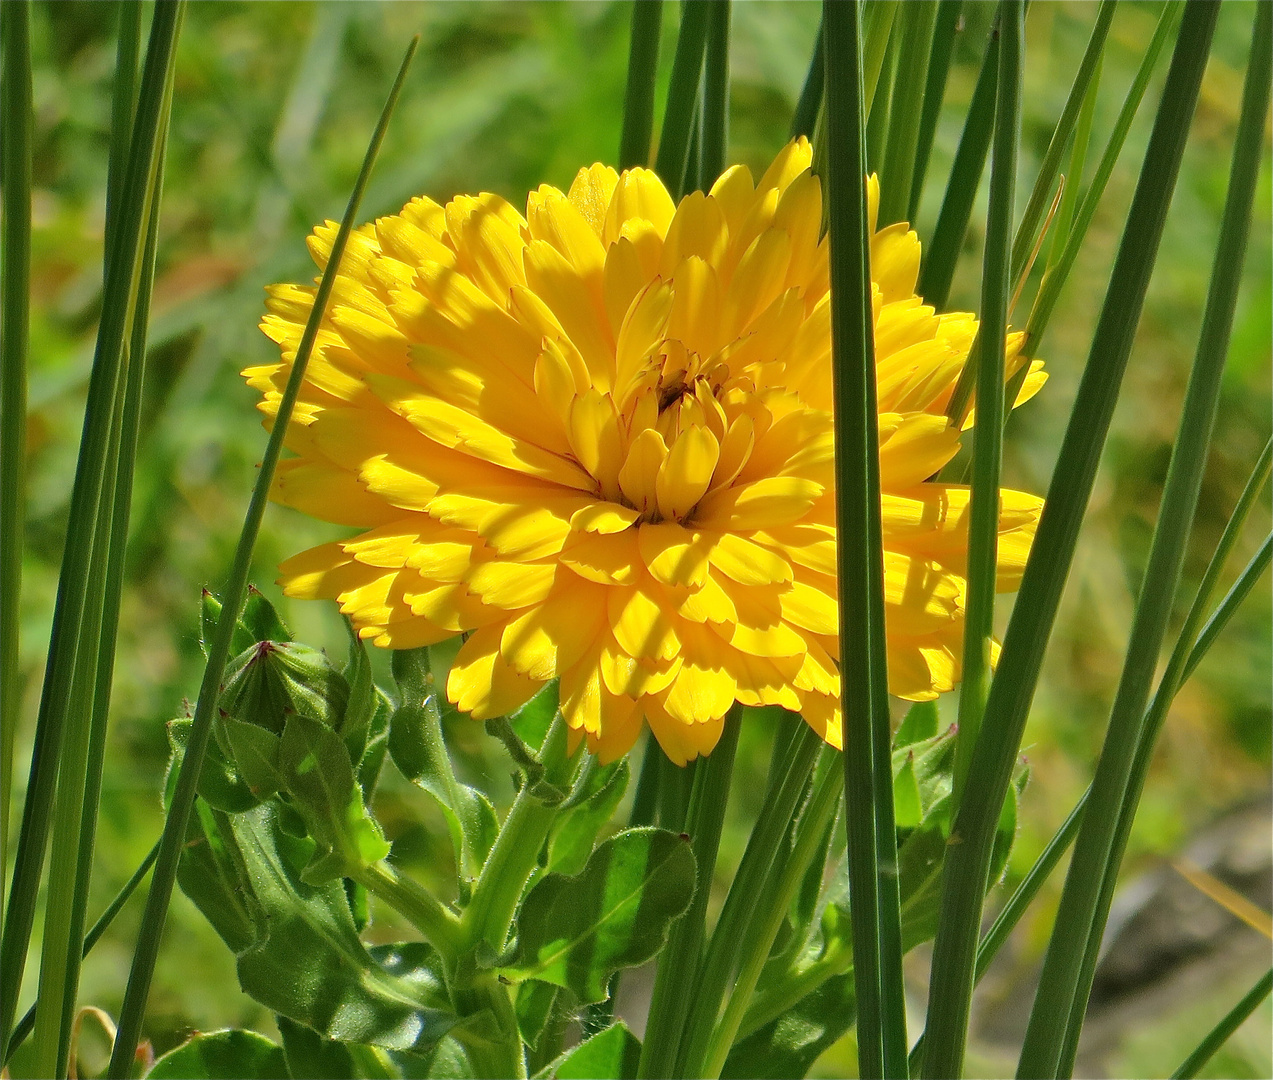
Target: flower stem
column 414, row 903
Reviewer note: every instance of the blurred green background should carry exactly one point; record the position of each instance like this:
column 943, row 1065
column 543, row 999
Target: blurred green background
column 274, row 103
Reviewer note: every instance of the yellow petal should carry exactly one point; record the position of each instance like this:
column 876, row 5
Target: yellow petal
column 482, row 683
column 638, row 194
column 686, row 472
column 639, row 475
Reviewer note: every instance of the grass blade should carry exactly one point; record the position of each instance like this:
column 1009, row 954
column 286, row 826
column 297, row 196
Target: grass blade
column 1232, row 600
column 941, row 253
column 15, row 273
column 944, row 34
column 1059, row 270
column 1041, row 196
column 27, row 1023
column 806, row 114
column 996, row 284
column 160, row 893
column 77, row 585
column 1219, row 1035
column 788, row 778
column 897, row 170
column 672, row 161
column 1080, row 922
column 679, row 960
column 1078, row 159
column 638, row 98
column 715, row 122
column 864, row 689
column 967, row 862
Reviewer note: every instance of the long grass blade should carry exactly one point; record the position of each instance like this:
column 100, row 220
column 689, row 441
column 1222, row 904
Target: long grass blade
column 638, row 98
column 996, row 283
column 1074, row 178
column 27, row 1024
column 967, row 862
column 1220, row 1034
column 864, row 695
column 679, row 961
column 715, row 123
column 918, row 20
column 1041, row 195
column 157, row 899
column 941, row 253
column 1059, row 271
column 1071, row 959
column 15, row 272
column 810, row 100
column 79, row 590
column 945, row 33
column 1231, row 602
column 672, row 161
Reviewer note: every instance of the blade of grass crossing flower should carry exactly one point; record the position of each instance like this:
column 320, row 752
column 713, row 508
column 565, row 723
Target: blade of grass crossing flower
column 779, row 891
column 123, row 104
column 27, row 1023
column 1065, row 983
column 1219, row 1035
column 1190, row 647
column 967, row 863
column 1059, row 271
column 868, row 777
column 160, row 892
column 945, row 31
column 914, row 45
column 983, row 528
column 1041, row 195
column 877, row 116
column 782, row 799
column 638, row 98
column 15, row 273
column 672, row 161
column 810, row 101
column 76, row 584
column 1078, row 160
column 941, row 253
column 878, row 17
column 715, row 123
column 679, row 960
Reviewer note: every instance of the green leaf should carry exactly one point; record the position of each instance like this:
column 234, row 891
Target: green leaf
column 534, row 1006
column 789, row 1045
column 321, row 781
column 219, row 781
column 296, row 945
column 364, row 700
column 224, row 1055
column 907, row 812
column 600, row 790
column 419, row 752
column 612, row 1054
column 309, row 1055
column 576, row 931
column 531, row 721
column 919, row 723
column 255, row 753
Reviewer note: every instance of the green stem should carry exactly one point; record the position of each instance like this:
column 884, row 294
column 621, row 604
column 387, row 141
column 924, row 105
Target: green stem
column 672, row 161
column 897, row 170
column 781, row 801
column 439, row 925
column 500, row 1058
column 638, row 99
column 771, row 910
column 173, row 839
column 679, row 961
column 715, row 118
column 15, row 273
column 810, row 101
column 515, row 854
column 1219, row 1035
column 944, row 33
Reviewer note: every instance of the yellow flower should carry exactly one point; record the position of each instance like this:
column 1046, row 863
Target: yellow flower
column 597, row 439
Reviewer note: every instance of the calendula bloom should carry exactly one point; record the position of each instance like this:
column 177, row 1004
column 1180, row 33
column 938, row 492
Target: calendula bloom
column 597, row 440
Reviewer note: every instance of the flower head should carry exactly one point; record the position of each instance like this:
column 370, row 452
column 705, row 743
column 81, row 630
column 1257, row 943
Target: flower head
column 597, row 440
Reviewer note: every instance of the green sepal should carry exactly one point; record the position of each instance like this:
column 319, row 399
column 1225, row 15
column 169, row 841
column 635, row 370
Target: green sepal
column 234, row 1054
column 320, row 780
column 577, row 931
column 296, row 945
column 271, row 680
column 908, row 811
column 219, row 780
column 255, row 751
column 611, row 1054
column 531, row 721
column 919, row 724
column 363, row 700
column 261, row 620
